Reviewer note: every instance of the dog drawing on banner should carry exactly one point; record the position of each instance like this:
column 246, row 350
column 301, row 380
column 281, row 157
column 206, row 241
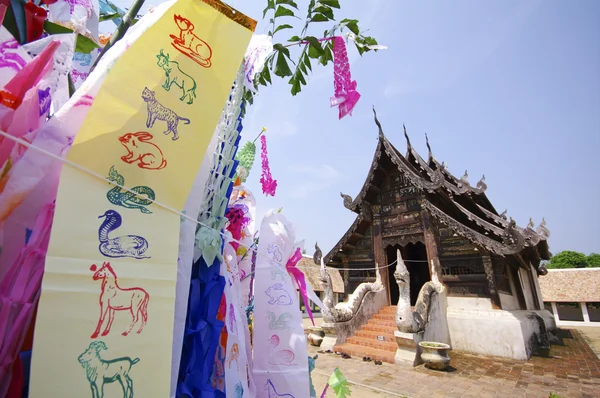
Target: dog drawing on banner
column 189, row 44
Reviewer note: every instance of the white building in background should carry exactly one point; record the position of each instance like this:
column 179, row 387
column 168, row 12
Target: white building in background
column 572, row 295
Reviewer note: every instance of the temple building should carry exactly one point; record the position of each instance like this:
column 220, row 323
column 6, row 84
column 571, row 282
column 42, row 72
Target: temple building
column 447, row 231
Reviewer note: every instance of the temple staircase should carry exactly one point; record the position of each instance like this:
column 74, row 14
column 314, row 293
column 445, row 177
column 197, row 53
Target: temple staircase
column 374, row 339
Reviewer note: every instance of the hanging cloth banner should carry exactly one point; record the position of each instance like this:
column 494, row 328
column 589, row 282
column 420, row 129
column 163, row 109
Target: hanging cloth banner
column 280, row 354
column 105, row 319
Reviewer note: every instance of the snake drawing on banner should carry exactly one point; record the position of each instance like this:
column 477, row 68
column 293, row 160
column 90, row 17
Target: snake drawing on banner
column 139, row 149
column 277, row 270
column 133, row 246
column 234, row 355
column 174, row 75
column 100, row 371
column 277, row 356
column 272, row 392
column 115, row 298
column 278, row 295
column 279, row 323
column 189, row 44
column 127, row 199
column 157, row 111
column 45, row 100
column 9, row 56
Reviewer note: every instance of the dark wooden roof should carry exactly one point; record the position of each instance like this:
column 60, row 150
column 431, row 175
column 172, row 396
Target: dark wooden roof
column 452, row 201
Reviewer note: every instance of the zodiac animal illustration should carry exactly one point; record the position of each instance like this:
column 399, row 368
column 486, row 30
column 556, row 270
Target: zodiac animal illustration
column 278, row 295
column 115, row 298
column 78, row 75
column 9, row 56
column 239, row 390
column 234, row 355
column 279, row 323
column 272, row 392
column 83, row 59
column 127, row 199
column 122, row 246
column 86, row 4
column 141, row 150
column 274, row 250
column 100, row 371
column 232, row 321
column 45, row 100
column 279, row 357
column 157, row 111
column 176, row 76
column 277, row 270
column 189, row 44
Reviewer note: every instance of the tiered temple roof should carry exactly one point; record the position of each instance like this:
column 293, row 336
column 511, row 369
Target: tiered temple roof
column 450, row 200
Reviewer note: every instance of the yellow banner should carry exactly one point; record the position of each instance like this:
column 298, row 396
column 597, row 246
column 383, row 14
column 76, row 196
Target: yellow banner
column 105, row 319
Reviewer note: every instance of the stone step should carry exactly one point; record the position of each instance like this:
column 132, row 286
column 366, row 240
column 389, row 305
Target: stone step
column 382, row 323
column 369, row 334
column 387, row 345
column 384, row 316
column 378, row 328
column 373, row 343
column 362, row 351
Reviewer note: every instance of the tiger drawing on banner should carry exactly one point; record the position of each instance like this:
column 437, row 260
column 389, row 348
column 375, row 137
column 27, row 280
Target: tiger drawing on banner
column 157, row 111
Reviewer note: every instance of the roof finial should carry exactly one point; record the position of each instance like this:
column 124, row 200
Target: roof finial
column 428, row 147
column 408, row 145
column 377, row 122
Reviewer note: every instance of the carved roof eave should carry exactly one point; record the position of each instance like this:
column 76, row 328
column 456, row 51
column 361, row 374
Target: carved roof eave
column 458, row 186
column 515, row 241
column 541, row 233
column 338, row 247
column 354, row 205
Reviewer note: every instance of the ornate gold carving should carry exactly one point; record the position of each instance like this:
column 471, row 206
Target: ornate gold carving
column 232, row 14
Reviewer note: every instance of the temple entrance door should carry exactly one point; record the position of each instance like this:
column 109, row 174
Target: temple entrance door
column 415, row 259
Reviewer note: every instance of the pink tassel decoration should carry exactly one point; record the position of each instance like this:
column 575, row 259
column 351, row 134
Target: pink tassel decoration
column 269, row 185
column 346, row 96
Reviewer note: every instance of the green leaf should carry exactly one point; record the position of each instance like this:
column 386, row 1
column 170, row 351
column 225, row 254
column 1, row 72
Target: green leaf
column 294, row 38
column 287, row 2
column 328, row 12
column 83, row 45
column 319, row 18
column 314, row 52
column 283, row 12
column 307, row 63
column 296, row 87
column 280, row 48
column 331, row 3
column 282, row 27
column 109, row 17
column 282, row 68
column 270, row 6
column 267, row 75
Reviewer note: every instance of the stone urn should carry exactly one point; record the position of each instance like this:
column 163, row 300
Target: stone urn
column 435, row 355
column 315, row 336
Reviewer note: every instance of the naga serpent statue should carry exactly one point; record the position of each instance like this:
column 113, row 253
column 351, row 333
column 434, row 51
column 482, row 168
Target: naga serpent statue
column 342, row 312
column 408, row 321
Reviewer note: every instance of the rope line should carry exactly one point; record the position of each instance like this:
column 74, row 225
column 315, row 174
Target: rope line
column 183, row 215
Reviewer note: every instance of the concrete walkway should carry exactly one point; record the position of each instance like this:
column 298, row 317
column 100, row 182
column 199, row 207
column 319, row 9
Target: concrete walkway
column 571, row 370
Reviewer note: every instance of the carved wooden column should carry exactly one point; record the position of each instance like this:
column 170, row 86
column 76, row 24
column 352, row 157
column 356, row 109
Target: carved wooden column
column 491, row 281
column 379, row 250
column 431, row 247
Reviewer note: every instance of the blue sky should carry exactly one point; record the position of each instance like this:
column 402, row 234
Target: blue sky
column 509, row 89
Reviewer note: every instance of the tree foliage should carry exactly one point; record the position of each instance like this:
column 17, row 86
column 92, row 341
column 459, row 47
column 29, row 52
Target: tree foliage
column 593, row 260
column 568, row 259
column 282, row 63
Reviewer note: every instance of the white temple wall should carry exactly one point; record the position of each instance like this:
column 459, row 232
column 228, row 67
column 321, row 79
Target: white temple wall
column 508, row 302
column 509, row 334
column 474, row 303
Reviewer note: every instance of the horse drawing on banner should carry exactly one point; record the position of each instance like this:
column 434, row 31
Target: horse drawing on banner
column 272, row 391
column 115, row 298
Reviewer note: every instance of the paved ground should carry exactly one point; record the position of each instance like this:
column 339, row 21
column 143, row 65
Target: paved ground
column 571, row 370
column 592, row 336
